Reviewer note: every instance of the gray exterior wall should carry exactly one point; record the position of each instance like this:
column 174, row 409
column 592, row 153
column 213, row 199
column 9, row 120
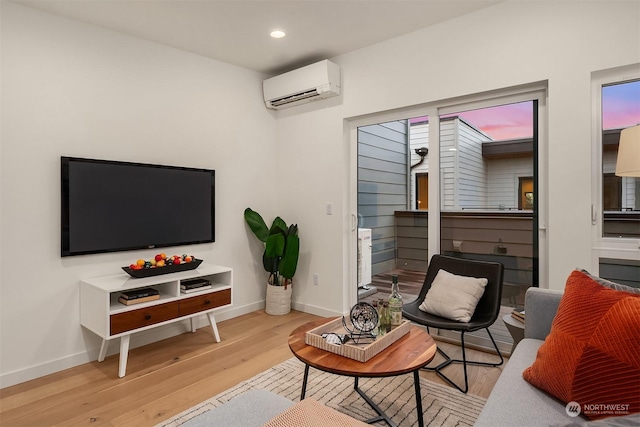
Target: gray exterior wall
column 382, row 187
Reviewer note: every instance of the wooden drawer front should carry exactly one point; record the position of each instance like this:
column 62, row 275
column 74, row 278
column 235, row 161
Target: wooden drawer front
column 205, row 302
column 142, row 317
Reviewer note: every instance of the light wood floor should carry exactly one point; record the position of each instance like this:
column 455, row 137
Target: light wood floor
column 169, row 376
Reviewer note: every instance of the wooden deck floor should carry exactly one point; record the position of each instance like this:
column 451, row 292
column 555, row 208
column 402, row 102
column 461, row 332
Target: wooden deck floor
column 410, row 283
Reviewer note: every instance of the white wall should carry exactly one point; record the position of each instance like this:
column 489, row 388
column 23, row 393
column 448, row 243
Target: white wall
column 74, row 89
column 78, row 90
column 510, row 44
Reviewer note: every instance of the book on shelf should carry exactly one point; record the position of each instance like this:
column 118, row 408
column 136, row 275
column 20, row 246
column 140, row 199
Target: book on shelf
column 198, row 289
column 139, row 293
column 138, row 300
column 518, row 314
column 194, row 283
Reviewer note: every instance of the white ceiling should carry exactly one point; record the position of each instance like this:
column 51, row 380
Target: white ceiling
column 237, row 32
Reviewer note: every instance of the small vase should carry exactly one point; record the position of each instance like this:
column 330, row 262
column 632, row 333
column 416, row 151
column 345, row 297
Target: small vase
column 278, row 300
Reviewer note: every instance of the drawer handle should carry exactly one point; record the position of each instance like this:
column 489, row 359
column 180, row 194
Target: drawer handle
column 207, row 302
column 147, row 317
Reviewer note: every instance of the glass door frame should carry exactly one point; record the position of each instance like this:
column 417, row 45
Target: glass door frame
column 535, row 91
column 538, row 95
column 606, row 247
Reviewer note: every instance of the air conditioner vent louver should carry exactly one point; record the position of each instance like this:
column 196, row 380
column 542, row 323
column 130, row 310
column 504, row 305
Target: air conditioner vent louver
column 294, row 98
column 316, row 81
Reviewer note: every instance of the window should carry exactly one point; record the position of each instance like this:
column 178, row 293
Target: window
column 620, row 204
column 616, row 200
column 422, row 191
column 525, row 189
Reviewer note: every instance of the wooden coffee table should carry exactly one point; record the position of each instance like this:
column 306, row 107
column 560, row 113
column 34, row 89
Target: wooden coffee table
column 407, row 355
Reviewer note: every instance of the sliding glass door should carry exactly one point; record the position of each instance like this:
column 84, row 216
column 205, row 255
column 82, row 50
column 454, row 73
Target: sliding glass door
column 488, row 159
column 459, row 179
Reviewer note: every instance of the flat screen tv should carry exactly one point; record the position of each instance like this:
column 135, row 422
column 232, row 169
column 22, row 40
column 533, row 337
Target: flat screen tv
column 110, row 206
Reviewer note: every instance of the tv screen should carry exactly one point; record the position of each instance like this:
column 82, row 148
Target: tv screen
column 110, row 206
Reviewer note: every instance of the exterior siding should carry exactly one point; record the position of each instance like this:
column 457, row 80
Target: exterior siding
column 448, row 165
column 471, row 168
column 487, row 184
column 382, row 187
column 418, row 137
column 412, row 240
column 503, row 177
column 460, row 150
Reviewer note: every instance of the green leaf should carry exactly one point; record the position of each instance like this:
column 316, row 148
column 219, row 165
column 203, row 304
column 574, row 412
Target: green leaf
column 256, row 224
column 270, row 264
column 278, row 226
column 289, row 261
column 274, row 245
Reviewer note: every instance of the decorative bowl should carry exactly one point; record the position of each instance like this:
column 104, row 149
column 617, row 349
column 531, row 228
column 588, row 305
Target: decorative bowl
column 157, row 271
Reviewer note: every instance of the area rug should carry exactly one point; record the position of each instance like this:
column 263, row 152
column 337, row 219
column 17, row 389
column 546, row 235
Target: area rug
column 442, row 405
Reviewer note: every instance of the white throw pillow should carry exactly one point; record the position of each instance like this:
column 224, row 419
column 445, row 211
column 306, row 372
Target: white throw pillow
column 453, row 297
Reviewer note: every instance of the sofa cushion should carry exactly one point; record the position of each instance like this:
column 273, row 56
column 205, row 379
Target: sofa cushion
column 453, row 297
column 515, row 402
column 591, row 355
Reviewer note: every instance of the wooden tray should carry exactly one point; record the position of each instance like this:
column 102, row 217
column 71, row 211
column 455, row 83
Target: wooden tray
column 359, row 352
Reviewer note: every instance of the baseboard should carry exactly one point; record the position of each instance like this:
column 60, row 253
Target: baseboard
column 139, row 339
column 312, row 309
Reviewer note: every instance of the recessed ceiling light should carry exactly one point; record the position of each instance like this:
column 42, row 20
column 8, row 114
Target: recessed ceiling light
column 278, row 34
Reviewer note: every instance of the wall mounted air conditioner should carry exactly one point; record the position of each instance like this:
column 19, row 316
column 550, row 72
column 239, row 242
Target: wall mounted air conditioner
column 316, row 81
column 364, row 257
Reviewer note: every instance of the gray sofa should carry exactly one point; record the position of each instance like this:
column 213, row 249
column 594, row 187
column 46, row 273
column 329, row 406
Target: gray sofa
column 515, row 402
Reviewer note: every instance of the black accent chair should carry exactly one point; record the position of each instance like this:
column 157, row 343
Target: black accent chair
column 485, row 314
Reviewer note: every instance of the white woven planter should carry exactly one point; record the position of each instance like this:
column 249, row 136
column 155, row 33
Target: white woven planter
column 278, row 299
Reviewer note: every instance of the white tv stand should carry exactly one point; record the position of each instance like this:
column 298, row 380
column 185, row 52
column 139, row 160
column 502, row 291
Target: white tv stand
column 103, row 314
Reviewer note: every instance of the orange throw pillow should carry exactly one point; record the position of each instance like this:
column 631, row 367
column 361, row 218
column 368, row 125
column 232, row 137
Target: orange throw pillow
column 592, row 354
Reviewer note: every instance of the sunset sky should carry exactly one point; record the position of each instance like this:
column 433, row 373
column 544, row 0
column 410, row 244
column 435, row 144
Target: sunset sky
column 620, row 104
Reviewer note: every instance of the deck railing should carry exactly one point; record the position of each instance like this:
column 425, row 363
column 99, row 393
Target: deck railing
column 504, row 236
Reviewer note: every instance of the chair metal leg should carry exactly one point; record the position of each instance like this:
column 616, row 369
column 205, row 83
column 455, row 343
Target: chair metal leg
column 448, row 360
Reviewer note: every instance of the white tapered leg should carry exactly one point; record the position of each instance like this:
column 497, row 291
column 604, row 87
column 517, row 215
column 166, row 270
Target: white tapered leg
column 124, row 354
column 103, row 350
column 193, row 324
column 214, row 326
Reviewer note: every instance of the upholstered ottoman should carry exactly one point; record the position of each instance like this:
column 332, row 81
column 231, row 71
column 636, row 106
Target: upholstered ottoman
column 264, row 408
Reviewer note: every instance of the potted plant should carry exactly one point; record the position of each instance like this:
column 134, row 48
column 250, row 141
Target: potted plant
column 280, row 258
